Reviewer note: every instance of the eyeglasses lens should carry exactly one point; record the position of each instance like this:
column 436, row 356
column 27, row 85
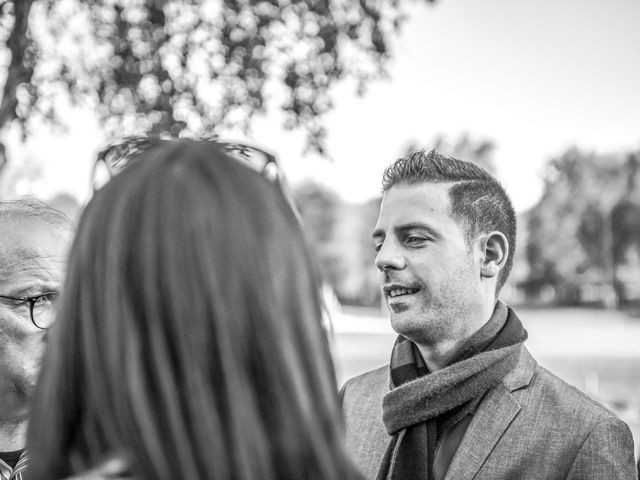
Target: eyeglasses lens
column 44, row 312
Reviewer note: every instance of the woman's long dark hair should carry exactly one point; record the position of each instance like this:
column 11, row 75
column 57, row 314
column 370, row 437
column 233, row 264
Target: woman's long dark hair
column 189, row 340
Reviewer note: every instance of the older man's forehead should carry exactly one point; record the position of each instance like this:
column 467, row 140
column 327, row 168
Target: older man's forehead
column 21, row 256
column 25, row 230
column 36, row 249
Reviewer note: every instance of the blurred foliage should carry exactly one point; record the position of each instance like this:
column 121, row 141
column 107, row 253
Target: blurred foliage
column 464, row 147
column 319, row 209
column 625, row 227
column 190, row 66
column 625, row 217
column 67, row 204
column 339, row 233
column 570, row 236
column 367, row 291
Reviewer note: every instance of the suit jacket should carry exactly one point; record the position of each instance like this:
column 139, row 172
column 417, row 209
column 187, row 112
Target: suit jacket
column 531, row 426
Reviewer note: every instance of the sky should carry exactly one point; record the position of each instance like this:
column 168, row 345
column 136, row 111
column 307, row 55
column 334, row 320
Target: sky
column 533, row 77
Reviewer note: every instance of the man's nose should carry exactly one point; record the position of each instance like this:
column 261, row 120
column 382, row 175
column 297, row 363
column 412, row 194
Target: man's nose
column 389, row 257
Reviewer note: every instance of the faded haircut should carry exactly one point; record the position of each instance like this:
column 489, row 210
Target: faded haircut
column 478, row 200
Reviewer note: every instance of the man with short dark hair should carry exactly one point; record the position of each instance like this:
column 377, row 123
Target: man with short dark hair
column 462, row 397
column 34, row 239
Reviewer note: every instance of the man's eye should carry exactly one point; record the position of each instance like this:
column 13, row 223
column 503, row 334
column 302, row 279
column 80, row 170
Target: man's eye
column 415, row 240
column 17, row 302
column 45, row 299
column 377, row 247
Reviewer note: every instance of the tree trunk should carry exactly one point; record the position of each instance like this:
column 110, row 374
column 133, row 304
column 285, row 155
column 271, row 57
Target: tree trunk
column 20, row 68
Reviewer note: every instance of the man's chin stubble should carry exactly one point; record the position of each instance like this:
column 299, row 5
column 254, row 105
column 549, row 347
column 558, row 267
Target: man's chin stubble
column 398, row 307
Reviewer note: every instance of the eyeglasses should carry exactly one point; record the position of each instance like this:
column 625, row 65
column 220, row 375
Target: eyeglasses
column 116, row 157
column 41, row 307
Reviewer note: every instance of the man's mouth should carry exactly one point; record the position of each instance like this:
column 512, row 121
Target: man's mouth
column 394, row 291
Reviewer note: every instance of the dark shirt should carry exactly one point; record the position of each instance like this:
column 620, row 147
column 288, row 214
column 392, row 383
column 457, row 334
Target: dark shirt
column 447, row 444
column 11, row 458
column 12, row 464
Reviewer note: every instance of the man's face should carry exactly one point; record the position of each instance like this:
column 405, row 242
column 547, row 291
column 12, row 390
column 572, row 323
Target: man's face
column 431, row 278
column 32, row 262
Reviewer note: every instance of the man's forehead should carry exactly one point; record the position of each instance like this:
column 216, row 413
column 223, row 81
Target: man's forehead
column 33, row 246
column 29, row 229
column 405, row 201
column 19, row 255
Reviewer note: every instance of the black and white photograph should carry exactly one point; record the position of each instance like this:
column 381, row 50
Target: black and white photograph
column 319, row 240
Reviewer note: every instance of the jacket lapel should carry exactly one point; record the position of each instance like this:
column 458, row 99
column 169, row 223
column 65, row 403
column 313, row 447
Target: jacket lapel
column 492, row 418
column 489, row 423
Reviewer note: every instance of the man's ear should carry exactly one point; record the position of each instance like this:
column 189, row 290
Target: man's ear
column 495, row 251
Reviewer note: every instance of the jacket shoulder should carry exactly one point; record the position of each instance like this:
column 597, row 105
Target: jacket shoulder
column 573, row 433
column 568, row 401
column 372, row 379
column 366, row 436
column 550, row 398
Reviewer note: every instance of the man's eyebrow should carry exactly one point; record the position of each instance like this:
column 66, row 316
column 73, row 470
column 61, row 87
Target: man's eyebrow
column 416, row 226
column 35, row 288
column 402, row 229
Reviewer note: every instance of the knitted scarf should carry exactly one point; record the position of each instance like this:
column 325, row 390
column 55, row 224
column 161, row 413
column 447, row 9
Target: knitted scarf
column 418, row 398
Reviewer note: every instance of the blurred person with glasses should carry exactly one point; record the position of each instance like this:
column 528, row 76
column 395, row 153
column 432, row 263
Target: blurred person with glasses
column 190, row 341
column 34, row 239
